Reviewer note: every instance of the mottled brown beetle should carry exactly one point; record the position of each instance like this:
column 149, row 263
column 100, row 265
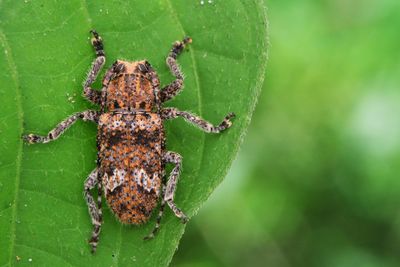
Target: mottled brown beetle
column 131, row 141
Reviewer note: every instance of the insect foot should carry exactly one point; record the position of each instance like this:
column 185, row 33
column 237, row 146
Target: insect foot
column 227, row 123
column 180, row 45
column 97, row 42
column 93, row 244
column 184, row 219
column 32, row 138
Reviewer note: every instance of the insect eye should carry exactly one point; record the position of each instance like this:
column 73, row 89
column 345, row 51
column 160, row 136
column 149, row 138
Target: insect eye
column 144, row 68
column 119, row 68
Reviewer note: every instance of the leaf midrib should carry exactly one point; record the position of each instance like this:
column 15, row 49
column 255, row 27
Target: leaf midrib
column 197, row 81
column 14, row 75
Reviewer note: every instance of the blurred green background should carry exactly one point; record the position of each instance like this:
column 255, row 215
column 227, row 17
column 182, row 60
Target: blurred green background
column 317, row 180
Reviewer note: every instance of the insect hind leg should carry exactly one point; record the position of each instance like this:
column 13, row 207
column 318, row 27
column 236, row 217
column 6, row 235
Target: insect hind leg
column 159, row 216
column 175, row 158
column 94, row 210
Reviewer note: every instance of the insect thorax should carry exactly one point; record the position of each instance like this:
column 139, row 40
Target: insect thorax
column 134, row 86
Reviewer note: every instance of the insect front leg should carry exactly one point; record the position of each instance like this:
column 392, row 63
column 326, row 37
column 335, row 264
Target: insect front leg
column 94, row 210
column 88, row 115
column 175, row 158
column 90, row 94
column 172, row 113
column 172, row 89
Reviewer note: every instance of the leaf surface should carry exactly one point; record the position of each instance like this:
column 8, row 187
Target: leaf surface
column 45, row 54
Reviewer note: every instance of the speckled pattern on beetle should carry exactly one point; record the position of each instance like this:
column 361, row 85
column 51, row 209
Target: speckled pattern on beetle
column 131, row 160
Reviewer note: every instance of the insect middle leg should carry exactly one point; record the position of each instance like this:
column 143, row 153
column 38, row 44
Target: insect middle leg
column 172, row 89
column 94, row 210
column 88, row 115
column 172, row 113
column 175, row 158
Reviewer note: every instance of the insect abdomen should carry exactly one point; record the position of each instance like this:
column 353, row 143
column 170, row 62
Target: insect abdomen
column 130, row 149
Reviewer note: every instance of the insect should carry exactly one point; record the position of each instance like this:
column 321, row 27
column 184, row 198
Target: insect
column 131, row 158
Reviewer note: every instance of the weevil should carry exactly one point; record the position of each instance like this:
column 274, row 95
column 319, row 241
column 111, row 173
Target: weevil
column 132, row 155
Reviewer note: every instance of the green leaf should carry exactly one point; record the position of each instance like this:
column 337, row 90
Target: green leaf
column 45, row 54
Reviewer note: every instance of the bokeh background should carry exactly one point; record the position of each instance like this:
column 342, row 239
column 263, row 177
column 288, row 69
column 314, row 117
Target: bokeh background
column 317, row 181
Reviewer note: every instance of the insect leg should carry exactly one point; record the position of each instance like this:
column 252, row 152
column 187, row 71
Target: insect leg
column 88, row 115
column 172, row 113
column 175, row 158
column 92, row 95
column 172, row 89
column 159, row 216
column 94, row 210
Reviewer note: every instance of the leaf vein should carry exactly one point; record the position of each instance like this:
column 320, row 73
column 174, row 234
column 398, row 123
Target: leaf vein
column 55, row 28
column 52, row 196
column 219, row 55
column 14, row 75
column 46, row 252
